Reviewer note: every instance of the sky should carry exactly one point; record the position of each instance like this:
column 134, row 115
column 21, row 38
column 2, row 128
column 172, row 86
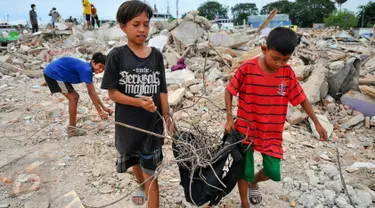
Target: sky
column 19, row 9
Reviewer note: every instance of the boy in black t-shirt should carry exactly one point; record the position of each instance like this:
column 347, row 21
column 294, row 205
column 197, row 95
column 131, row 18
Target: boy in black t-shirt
column 135, row 79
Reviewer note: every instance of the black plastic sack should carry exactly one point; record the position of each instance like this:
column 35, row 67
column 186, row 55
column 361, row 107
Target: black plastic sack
column 345, row 79
column 205, row 186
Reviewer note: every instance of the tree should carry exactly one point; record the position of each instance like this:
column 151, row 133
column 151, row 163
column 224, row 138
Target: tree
column 366, row 15
column 242, row 10
column 210, row 9
column 340, row 2
column 307, row 12
column 283, row 6
column 344, row 19
column 302, row 12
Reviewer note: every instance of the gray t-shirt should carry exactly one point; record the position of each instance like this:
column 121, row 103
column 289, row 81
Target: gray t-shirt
column 132, row 76
column 33, row 17
column 54, row 15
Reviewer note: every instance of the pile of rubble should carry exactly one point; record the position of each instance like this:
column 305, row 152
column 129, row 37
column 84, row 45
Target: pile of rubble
column 335, row 69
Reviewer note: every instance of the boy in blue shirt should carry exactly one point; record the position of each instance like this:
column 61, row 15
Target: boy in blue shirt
column 65, row 71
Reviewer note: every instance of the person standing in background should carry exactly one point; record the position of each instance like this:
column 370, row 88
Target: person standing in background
column 94, row 16
column 87, row 12
column 55, row 16
column 33, row 18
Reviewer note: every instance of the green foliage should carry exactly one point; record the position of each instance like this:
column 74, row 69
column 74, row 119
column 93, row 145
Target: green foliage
column 283, row 6
column 302, row 12
column 241, row 11
column 344, row 19
column 367, row 13
column 210, row 9
column 183, row 15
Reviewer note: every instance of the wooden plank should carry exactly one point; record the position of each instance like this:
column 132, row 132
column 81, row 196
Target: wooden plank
column 267, row 21
column 367, row 81
column 367, row 90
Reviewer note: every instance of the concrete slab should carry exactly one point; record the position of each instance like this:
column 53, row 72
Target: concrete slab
column 325, row 123
column 175, row 97
column 359, row 102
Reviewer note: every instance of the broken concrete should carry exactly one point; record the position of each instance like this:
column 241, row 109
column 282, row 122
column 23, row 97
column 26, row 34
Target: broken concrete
column 159, row 42
column 303, row 72
column 33, row 73
column 69, row 200
column 359, row 102
column 214, row 74
column 230, row 41
column 353, row 121
column 325, row 123
column 175, row 97
column 296, row 117
column 336, row 66
column 188, row 33
column 6, row 68
column 179, row 76
column 315, row 88
column 171, row 59
column 372, row 121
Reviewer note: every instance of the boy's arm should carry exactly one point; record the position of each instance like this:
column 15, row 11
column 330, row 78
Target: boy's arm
column 97, row 103
column 144, row 102
column 228, row 106
column 319, row 128
column 232, row 89
column 165, row 111
column 297, row 96
column 164, row 105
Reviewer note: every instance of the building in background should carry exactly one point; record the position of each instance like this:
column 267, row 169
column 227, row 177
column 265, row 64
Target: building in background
column 280, row 20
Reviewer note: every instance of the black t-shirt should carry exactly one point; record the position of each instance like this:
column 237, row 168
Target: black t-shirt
column 132, row 76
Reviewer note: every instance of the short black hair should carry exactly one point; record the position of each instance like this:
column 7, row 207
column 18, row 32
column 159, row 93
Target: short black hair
column 283, row 40
column 32, row 5
column 54, row 8
column 130, row 9
column 99, row 58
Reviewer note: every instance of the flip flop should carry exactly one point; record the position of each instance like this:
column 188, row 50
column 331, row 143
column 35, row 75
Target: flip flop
column 139, row 197
column 76, row 132
column 254, row 193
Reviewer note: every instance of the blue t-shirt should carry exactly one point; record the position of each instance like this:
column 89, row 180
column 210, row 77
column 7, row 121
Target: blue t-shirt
column 71, row 70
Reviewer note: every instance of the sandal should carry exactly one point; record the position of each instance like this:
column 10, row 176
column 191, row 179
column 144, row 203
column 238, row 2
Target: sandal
column 255, row 196
column 73, row 132
column 139, row 197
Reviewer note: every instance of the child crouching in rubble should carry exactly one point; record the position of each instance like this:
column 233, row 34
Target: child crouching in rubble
column 265, row 85
column 65, row 71
column 135, row 79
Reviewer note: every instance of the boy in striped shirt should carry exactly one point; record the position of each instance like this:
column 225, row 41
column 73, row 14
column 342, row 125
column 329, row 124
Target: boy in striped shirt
column 264, row 86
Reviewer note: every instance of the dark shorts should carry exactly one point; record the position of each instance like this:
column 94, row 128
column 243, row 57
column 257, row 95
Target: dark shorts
column 148, row 162
column 58, row 86
column 88, row 17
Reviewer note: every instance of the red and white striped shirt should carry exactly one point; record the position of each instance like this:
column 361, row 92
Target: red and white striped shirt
column 263, row 101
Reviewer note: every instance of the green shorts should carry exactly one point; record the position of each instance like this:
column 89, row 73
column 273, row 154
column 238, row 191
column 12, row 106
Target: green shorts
column 271, row 166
